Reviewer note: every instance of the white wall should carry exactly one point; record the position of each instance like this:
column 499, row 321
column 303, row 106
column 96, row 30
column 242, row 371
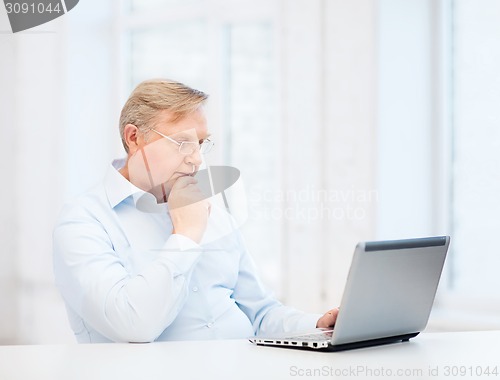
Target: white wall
column 31, row 98
column 91, row 113
column 8, row 216
column 59, row 132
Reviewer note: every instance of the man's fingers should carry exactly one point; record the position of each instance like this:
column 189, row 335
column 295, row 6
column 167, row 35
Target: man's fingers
column 184, row 181
column 185, row 192
column 334, row 311
column 332, row 316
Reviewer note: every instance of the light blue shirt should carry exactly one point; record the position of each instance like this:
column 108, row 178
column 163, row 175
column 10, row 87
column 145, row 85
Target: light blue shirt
column 125, row 277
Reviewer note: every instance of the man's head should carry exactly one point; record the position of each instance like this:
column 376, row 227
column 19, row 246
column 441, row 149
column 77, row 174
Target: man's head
column 153, row 98
column 162, row 126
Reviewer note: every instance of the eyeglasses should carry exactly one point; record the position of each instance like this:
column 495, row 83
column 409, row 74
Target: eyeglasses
column 189, row 147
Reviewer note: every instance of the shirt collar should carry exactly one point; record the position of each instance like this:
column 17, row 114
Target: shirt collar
column 119, row 189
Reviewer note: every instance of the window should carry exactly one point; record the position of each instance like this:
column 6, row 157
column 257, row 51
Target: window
column 438, row 136
column 476, row 148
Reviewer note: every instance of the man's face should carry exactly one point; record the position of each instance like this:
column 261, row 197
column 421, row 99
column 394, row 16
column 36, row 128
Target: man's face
column 157, row 163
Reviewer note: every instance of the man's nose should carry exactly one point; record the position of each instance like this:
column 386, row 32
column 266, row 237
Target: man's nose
column 194, row 158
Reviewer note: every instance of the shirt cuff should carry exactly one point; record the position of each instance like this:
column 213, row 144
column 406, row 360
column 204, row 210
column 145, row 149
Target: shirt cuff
column 308, row 322
column 182, row 252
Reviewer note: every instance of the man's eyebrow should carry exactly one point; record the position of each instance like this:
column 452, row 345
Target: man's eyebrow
column 182, row 135
column 188, row 136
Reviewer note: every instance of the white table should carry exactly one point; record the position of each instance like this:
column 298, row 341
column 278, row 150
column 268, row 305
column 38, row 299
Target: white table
column 428, row 356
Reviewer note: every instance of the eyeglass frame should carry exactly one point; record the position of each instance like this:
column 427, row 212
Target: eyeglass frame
column 197, row 145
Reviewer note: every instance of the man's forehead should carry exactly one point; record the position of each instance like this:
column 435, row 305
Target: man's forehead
column 191, row 134
column 193, row 125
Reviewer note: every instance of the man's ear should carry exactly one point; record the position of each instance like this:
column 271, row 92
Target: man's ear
column 131, row 136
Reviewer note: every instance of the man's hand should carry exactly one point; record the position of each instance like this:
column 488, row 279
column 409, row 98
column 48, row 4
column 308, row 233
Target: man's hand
column 188, row 208
column 328, row 319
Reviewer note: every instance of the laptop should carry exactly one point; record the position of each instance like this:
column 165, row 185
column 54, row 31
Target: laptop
column 388, row 296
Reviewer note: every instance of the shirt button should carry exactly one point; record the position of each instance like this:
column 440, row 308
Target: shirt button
column 210, row 324
column 195, row 288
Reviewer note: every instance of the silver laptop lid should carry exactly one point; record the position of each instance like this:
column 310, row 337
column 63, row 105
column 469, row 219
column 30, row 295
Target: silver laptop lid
column 390, row 288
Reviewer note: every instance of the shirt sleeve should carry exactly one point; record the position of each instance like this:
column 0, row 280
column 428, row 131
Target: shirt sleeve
column 94, row 282
column 267, row 315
